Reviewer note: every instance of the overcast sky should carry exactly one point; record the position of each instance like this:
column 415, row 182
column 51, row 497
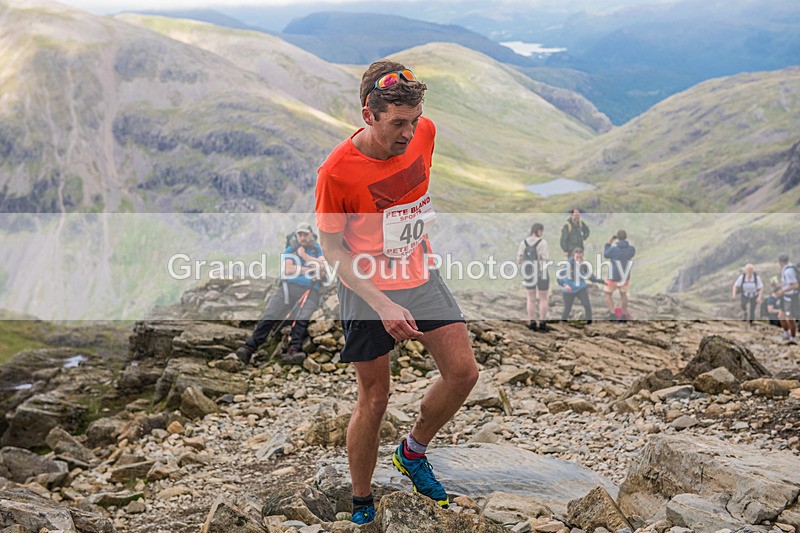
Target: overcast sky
column 113, row 5
column 110, row 6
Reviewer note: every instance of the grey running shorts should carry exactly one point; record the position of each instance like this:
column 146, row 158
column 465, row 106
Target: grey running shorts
column 431, row 304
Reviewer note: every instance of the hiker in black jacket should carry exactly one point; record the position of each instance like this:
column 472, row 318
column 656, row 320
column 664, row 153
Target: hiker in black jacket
column 574, row 233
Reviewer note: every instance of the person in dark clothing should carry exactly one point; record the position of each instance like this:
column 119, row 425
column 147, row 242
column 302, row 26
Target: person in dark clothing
column 573, row 285
column 296, row 299
column 771, row 305
column 574, row 233
column 790, row 292
column 535, row 277
column 621, row 256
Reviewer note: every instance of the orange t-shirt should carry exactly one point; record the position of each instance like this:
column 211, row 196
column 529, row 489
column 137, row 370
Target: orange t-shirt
column 369, row 198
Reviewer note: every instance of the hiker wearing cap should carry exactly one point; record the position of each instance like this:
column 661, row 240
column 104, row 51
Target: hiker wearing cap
column 574, row 233
column 620, row 253
column 770, row 306
column 573, row 285
column 296, row 298
column 752, row 290
column 374, row 212
column 531, row 254
column 790, row 292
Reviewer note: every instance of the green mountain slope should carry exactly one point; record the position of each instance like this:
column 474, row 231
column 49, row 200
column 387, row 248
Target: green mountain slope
column 97, row 114
column 496, row 134
column 723, row 145
column 294, row 71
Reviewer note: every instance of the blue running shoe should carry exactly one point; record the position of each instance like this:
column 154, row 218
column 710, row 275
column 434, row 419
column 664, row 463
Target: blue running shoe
column 420, row 472
column 364, row 515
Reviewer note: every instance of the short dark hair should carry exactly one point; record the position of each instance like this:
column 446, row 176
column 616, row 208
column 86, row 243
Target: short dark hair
column 536, row 227
column 577, row 251
column 410, row 93
column 578, row 209
column 622, row 235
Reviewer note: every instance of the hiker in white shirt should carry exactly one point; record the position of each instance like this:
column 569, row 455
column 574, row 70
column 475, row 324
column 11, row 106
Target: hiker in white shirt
column 750, row 289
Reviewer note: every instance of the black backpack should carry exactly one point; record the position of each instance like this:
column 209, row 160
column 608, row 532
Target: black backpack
column 740, row 288
column 530, row 254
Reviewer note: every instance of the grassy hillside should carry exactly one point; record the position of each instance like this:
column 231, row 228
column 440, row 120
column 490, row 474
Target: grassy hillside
column 720, row 146
column 97, row 114
column 294, row 71
column 496, row 134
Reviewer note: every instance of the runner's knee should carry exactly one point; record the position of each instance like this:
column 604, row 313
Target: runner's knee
column 375, row 404
column 463, row 378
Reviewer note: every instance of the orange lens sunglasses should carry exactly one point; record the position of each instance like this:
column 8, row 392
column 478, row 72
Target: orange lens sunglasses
column 391, row 79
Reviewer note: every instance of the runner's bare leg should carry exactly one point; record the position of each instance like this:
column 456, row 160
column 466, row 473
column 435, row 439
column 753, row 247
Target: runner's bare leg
column 450, row 348
column 363, row 432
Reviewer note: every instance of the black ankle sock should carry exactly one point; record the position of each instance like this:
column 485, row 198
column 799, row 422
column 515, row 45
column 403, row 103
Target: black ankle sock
column 360, row 503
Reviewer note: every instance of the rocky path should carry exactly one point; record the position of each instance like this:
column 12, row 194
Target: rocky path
column 560, row 388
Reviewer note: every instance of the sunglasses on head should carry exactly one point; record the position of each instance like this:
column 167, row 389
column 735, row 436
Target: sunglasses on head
column 390, row 80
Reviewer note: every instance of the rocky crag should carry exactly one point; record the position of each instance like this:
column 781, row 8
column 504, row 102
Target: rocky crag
column 648, row 426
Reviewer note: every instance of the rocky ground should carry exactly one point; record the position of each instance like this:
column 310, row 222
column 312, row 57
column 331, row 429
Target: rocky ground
column 163, row 431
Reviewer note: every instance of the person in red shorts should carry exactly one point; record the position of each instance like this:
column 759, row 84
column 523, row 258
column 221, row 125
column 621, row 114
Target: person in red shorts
column 374, row 213
column 621, row 256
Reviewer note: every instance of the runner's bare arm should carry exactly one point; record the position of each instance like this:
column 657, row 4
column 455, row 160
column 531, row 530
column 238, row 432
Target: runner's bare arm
column 395, row 318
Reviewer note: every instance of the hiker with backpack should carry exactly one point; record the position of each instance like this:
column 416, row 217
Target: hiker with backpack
column 573, row 285
column 790, row 292
column 751, row 290
column 620, row 253
column 574, row 233
column 770, row 306
column 296, row 298
column 531, row 254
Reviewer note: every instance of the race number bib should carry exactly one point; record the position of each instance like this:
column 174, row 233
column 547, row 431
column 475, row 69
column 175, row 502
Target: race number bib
column 405, row 226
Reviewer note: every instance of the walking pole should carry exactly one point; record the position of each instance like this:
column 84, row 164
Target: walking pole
column 292, row 310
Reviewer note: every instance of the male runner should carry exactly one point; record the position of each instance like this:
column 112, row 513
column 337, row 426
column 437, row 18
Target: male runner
column 373, row 212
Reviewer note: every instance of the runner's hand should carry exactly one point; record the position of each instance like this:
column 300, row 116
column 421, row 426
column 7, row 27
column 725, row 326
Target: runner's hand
column 399, row 323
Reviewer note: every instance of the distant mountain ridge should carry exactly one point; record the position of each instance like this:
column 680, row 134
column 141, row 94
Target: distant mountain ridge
column 101, row 115
column 468, row 169
column 151, row 128
column 361, row 38
column 622, row 58
column 201, row 15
